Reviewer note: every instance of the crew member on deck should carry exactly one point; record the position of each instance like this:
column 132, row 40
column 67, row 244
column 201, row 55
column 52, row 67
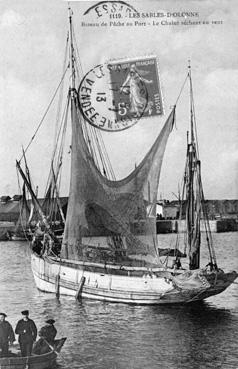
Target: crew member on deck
column 177, row 263
column 27, row 331
column 6, row 335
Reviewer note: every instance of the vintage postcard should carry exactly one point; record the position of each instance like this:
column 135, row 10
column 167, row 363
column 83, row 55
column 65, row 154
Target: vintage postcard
column 119, row 184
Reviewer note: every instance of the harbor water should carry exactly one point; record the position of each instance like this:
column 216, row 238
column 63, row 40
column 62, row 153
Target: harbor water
column 104, row 335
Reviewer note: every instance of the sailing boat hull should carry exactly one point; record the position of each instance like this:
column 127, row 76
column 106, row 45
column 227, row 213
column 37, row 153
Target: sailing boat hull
column 127, row 285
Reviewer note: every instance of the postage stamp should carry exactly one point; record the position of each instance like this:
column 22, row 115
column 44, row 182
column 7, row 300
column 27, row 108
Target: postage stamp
column 116, row 95
column 136, row 88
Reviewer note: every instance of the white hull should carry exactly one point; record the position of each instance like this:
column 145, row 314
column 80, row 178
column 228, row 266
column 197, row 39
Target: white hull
column 75, row 279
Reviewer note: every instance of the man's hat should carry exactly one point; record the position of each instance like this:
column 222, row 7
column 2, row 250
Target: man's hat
column 50, row 321
column 5, row 315
column 25, row 312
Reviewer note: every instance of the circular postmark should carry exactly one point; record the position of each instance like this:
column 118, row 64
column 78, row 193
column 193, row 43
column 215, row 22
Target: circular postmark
column 112, row 9
column 114, row 96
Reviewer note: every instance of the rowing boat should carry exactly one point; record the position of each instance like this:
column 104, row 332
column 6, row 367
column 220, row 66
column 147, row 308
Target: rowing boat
column 43, row 361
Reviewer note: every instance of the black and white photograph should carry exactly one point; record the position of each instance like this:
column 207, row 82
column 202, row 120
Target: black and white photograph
column 119, row 184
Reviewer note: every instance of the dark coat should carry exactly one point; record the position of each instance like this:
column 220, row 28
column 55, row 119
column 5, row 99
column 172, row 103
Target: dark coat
column 48, row 332
column 27, row 331
column 6, row 332
column 41, row 347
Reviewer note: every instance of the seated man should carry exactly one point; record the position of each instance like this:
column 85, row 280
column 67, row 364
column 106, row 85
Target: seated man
column 48, row 332
column 47, row 335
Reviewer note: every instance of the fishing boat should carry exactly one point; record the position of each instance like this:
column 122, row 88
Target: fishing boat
column 43, row 361
column 109, row 249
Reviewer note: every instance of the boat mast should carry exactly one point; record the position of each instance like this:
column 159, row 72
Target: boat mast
column 193, row 202
column 71, row 51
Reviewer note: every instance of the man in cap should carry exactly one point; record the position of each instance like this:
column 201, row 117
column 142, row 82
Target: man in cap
column 27, row 331
column 6, row 335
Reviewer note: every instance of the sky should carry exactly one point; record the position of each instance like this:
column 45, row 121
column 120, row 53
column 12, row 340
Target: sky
column 32, row 44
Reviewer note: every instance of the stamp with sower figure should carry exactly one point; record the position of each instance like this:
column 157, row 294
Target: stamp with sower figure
column 114, row 96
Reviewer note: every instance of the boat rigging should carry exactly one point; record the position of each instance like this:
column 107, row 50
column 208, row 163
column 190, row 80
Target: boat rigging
column 124, row 266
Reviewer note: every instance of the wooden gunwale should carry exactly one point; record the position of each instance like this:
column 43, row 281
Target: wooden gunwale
column 33, row 362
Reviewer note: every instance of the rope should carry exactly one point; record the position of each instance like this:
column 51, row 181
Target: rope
column 50, row 187
column 107, row 156
column 193, row 115
column 62, row 87
column 194, row 297
column 181, row 90
column 96, row 143
column 202, row 208
column 207, row 225
column 42, row 119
